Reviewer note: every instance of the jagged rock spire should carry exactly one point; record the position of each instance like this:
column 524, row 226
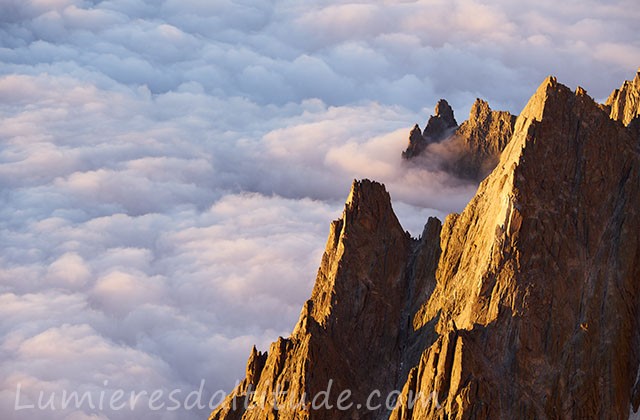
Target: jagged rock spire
column 444, row 111
column 417, row 143
column 480, row 140
column 625, row 102
column 353, row 332
column 440, row 124
column 438, row 127
column 473, row 149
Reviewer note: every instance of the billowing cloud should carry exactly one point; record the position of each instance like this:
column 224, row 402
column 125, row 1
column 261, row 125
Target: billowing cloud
column 168, row 170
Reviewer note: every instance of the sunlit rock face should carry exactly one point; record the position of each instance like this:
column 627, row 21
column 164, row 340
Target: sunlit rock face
column 625, row 102
column 355, row 331
column 537, row 286
column 525, row 305
column 481, row 140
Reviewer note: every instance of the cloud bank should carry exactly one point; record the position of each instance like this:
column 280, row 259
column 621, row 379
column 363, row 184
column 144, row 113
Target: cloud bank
column 168, row 170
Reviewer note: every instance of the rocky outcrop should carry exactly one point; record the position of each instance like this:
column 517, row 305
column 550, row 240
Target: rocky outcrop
column 624, row 103
column 439, row 127
column 526, row 305
column 470, row 151
column 537, row 286
column 417, row 143
column 481, row 138
column 355, row 332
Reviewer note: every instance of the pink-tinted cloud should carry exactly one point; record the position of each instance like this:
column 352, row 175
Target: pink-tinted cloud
column 168, row 170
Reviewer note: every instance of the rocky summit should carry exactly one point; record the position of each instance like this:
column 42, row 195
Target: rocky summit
column 439, row 127
column 624, row 103
column 472, row 149
column 526, row 305
column 481, row 139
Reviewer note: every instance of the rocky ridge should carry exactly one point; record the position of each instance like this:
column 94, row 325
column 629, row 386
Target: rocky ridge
column 525, row 305
column 472, row 149
column 537, row 283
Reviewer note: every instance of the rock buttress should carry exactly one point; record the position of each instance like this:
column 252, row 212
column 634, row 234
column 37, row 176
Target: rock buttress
column 537, row 285
column 355, row 333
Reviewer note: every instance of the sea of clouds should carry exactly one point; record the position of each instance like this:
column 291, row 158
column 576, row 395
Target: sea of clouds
column 169, row 169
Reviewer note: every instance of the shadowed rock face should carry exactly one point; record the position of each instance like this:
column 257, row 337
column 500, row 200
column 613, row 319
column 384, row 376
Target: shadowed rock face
column 417, row 143
column 355, row 332
column 439, row 124
column 438, row 128
column 526, row 305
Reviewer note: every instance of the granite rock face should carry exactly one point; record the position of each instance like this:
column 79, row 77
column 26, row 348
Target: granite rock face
column 526, row 305
column 537, row 286
column 482, row 139
column 625, row 102
column 355, row 332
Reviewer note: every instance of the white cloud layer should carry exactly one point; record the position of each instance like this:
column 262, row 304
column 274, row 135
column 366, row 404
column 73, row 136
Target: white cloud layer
column 168, row 169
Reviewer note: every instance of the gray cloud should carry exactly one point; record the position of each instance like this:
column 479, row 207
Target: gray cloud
column 168, row 170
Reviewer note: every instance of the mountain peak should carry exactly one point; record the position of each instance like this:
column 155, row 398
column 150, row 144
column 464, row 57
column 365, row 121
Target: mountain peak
column 441, row 124
column 366, row 191
column 524, row 305
column 444, row 111
column 417, row 143
column 624, row 102
column 549, row 89
column 368, row 203
column 354, row 320
column 479, row 110
column 480, row 141
column 473, row 148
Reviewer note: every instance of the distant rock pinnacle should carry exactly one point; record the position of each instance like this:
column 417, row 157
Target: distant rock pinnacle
column 441, row 123
column 625, row 102
column 417, row 143
column 438, row 127
column 474, row 147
